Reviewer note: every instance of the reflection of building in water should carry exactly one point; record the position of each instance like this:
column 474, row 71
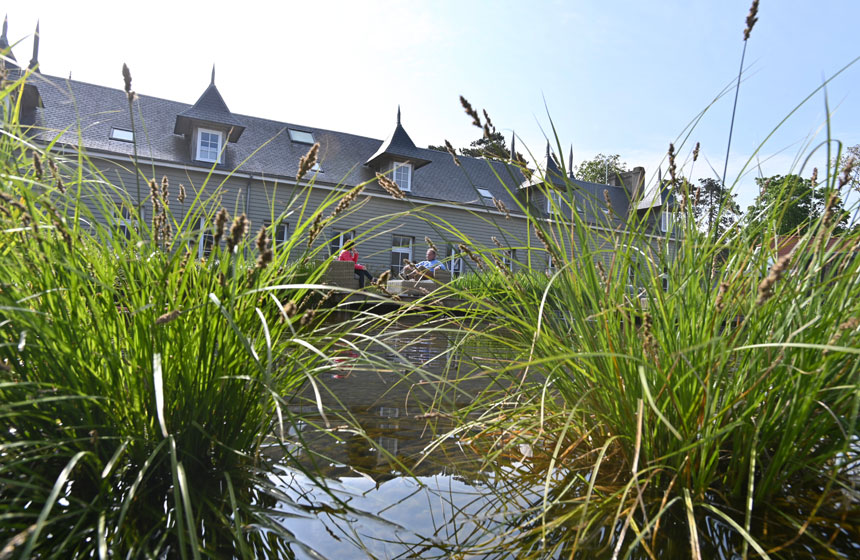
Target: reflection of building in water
column 389, row 411
column 389, row 444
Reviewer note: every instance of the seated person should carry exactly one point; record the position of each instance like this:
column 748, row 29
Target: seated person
column 425, row 268
column 350, row 254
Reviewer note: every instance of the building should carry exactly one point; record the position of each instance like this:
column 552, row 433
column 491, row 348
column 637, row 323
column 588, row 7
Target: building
column 249, row 164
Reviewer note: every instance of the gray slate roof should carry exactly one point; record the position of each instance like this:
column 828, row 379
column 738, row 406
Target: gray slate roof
column 209, row 109
column 84, row 113
column 265, row 148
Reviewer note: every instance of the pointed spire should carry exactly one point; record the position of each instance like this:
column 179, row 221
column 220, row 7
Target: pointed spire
column 513, row 145
column 548, row 156
column 398, row 115
column 4, row 44
column 212, row 83
column 5, row 29
column 659, row 176
column 34, row 62
column 570, row 162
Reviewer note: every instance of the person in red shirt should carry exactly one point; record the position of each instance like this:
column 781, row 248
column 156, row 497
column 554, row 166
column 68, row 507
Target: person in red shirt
column 350, row 254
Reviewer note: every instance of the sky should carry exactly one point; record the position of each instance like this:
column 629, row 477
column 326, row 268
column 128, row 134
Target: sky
column 601, row 76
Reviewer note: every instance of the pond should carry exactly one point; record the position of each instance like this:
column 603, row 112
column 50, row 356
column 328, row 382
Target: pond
column 390, row 495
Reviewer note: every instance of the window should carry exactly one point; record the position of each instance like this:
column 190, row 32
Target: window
column 665, row 220
column 555, row 204
column 207, row 240
column 127, row 221
column 455, row 261
column 486, row 195
column 281, row 233
column 208, row 145
column 508, row 258
column 402, row 175
column 665, row 279
column 121, row 134
column 401, row 250
column 337, row 241
column 301, row 136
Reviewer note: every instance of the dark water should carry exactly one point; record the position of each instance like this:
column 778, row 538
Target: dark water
column 391, row 495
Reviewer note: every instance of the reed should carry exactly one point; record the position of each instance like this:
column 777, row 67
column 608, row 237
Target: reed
column 141, row 387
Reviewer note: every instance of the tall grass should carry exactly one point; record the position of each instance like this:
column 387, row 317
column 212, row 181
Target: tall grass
column 139, row 384
column 699, row 378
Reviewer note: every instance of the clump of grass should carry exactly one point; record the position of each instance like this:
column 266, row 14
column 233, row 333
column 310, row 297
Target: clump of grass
column 698, row 377
column 139, row 385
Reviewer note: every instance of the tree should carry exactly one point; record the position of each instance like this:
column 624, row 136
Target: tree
column 492, row 147
column 716, row 209
column 794, row 203
column 598, row 169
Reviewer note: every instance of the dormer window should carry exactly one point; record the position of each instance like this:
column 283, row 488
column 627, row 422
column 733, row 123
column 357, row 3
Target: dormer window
column 402, row 175
column 301, row 136
column 209, row 144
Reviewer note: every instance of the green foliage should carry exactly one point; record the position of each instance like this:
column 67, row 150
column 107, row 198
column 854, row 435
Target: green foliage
column 692, row 377
column 493, row 147
column 792, row 205
column 140, row 386
column 716, row 209
column 600, row 168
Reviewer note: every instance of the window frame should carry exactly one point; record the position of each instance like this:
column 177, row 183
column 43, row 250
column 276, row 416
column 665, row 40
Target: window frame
column 220, row 150
column 205, row 249
column 485, row 194
column 114, row 134
column 337, row 240
column 665, row 220
column 560, row 202
column 455, row 261
column 127, row 221
column 400, row 250
column 509, row 256
column 404, row 165
column 282, row 227
column 298, row 139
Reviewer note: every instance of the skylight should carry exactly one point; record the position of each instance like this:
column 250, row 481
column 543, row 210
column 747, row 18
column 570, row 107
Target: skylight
column 301, row 136
column 485, row 193
column 121, row 134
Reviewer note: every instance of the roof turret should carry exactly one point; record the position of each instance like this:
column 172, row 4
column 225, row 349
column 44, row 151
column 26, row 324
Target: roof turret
column 209, row 109
column 398, row 147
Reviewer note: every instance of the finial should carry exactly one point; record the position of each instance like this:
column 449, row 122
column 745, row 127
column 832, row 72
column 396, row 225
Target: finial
column 570, row 161
column 513, row 145
column 547, row 150
column 212, row 83
column 398, row 114
column 659, row 176
column 5, row 28
column 34, row 62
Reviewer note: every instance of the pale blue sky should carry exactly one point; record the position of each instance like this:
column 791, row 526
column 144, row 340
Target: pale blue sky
column 620, row 77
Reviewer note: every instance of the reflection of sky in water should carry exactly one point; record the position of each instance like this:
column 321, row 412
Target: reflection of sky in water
column 401, row 517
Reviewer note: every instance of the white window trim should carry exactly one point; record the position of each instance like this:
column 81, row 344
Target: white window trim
column 455, row 262
column 337, row 241
column 274, row 232
column 220, row 135
column 398, row 165
column 558, row 199
column 201, row 243
column 401, row 250
column 665, row 220
column 508, row 258
column 127, row 221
